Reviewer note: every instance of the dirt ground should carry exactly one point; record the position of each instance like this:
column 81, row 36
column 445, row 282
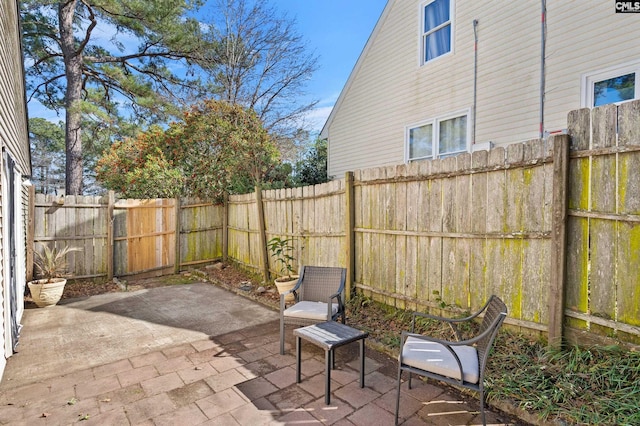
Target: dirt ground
column 226, row 276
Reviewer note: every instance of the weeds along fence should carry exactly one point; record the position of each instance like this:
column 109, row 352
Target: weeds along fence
column 551, row 226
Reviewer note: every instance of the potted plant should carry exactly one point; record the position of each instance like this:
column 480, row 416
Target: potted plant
column 50, row 270
column 282, row 249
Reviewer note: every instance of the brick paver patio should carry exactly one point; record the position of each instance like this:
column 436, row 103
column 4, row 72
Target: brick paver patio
column 234, row 379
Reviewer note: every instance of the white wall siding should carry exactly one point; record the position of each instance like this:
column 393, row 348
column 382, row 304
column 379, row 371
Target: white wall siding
column 389, row 90
column 13, row 140
column 365, row 130
column 13, row 124
column 583, row 40
column 508, row 79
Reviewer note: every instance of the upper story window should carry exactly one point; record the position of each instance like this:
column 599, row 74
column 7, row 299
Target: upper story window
column 613, row 85
column 439, row 137
column 436, row 29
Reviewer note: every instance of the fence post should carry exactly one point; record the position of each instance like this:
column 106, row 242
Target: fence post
column 111, row 200
column 31, row 226
column 176, row 264
column 262, row 235
column 349, row 233
column 225, row 229
column 558, row 239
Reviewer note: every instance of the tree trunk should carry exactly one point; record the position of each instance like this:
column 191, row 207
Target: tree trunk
column 73, row 97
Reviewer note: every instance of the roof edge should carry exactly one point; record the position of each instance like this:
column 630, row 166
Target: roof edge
column 324, row 133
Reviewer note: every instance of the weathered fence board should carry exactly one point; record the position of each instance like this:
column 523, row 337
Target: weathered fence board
column 629, row 184
column 421, row 267
column 240, row 232
column 76, row 221
column 535, row 270
column 478, row 271
column 628, row 262
column 201, row 231
column 577, row 264
column 603, row 267
column 496, row 202
column 602, row 243
column 145, row 239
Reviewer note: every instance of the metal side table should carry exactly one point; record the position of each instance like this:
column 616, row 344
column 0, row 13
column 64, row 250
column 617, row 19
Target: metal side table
column 328, row 336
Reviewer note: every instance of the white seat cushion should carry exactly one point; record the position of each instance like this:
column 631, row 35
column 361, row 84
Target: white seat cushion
column 310, row 310
column 435, row 358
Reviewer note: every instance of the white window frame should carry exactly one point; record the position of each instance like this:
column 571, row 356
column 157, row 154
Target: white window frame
column 422, row 35
column 435, row 123
column 590, row 79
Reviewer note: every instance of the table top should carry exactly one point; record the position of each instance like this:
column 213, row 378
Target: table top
column 329, row 334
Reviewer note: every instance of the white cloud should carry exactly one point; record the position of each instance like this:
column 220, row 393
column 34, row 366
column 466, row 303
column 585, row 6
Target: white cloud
column 318, row 116
column 330, row 99
column 104, row 34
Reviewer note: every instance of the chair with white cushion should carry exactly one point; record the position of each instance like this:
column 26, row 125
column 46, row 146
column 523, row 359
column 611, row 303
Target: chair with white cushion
column 460, row 362
column 318, row 298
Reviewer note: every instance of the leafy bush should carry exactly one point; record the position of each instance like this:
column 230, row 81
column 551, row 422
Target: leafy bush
column 216, row 149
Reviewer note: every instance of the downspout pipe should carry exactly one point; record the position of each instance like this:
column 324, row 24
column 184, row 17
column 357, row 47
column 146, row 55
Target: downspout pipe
column 475, row 80
column 543, row 42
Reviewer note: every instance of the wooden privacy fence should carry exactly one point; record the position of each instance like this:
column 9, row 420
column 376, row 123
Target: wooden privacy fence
column 454, row 230
column 459, row 229
column 603, row 253
column 551, row 226
column 312, row 216
column 128, row 237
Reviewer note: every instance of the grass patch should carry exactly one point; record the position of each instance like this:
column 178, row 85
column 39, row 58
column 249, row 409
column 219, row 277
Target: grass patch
column 596, row 385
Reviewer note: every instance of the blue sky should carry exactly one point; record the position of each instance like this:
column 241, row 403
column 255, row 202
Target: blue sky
column 336, row 30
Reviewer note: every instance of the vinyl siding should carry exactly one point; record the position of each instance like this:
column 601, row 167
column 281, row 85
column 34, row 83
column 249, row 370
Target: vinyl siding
column 508, row 78
column 374, row 97
column 13, row 125
column 13, row 139
column 388, row 89
column 584, row 40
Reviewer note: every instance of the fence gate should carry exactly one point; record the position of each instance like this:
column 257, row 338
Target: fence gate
column 144, row 236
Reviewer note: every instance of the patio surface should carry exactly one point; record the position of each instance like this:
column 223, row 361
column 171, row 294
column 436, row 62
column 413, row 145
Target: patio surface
column 197, row 354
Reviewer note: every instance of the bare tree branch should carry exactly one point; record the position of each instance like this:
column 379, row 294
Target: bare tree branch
column 45, row 84
column 92, row 25
column 261, row 62
column 114, row 14
column 46, row 58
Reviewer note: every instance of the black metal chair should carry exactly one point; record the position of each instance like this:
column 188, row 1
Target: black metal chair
column 318, row 298
column 460, row 362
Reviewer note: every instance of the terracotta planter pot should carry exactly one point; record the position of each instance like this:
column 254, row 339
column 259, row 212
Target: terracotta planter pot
column 47, row 294
column 285, row 284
